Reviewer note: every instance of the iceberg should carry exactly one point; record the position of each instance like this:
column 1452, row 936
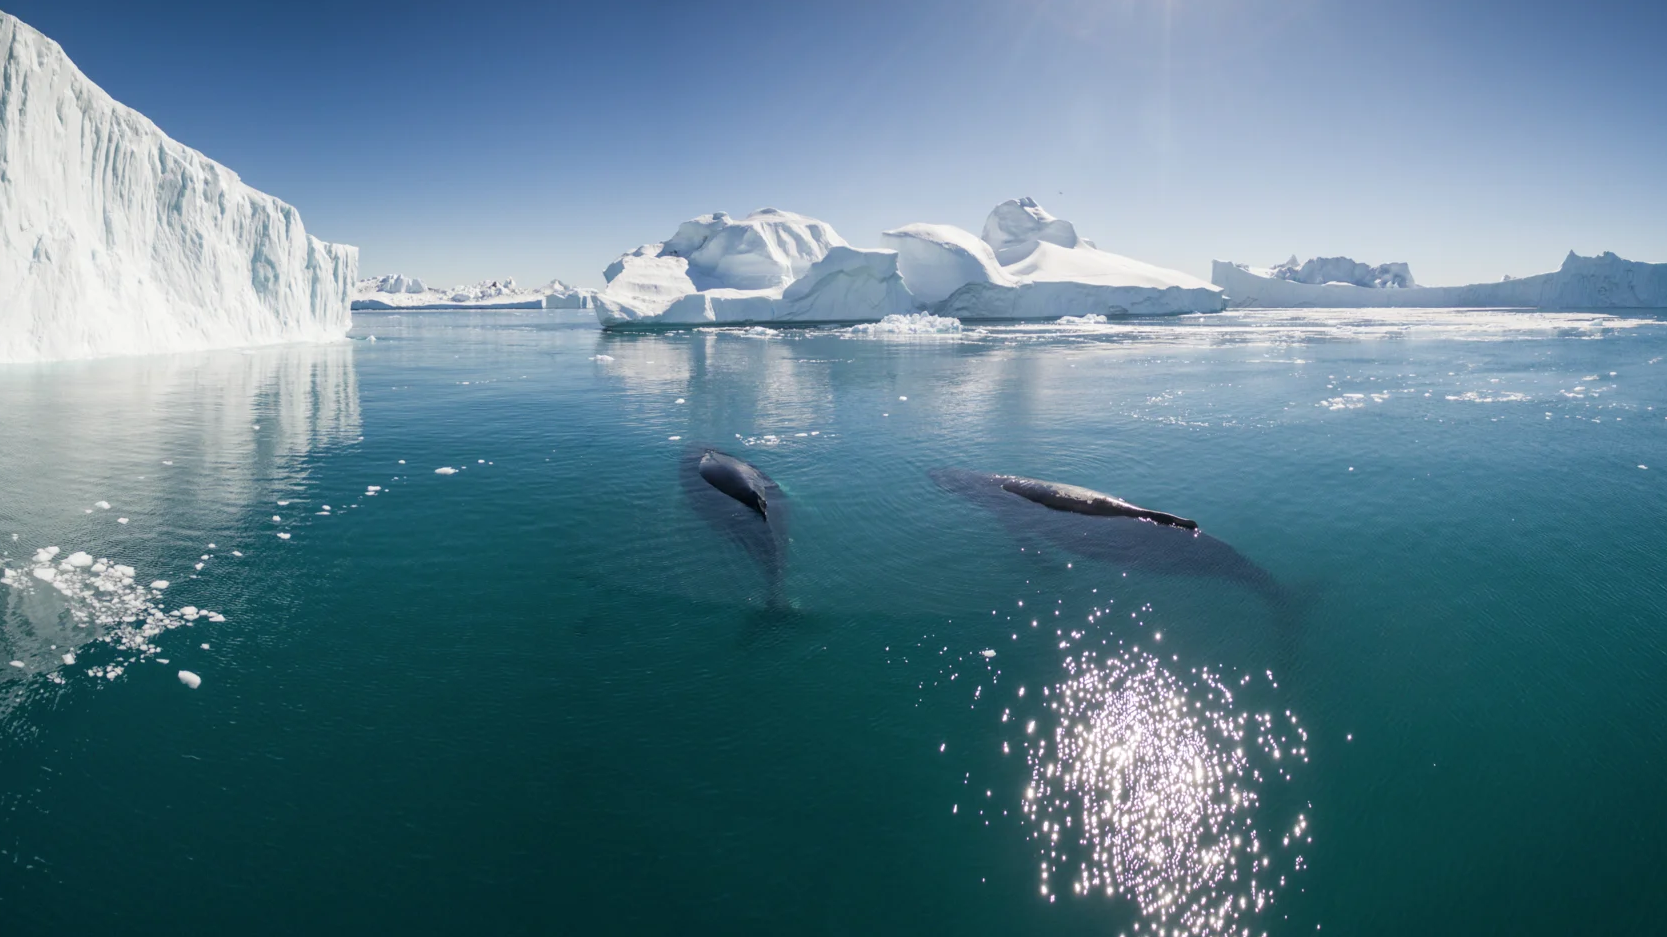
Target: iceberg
column 938, row 259
column 775, row 266
column 1605, row 281
column 400, row 292
column 1318, row 270
column 116, row 239
column 1049, row 271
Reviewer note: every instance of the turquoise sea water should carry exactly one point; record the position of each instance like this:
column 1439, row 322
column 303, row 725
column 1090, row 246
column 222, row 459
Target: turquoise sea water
column 546, row 694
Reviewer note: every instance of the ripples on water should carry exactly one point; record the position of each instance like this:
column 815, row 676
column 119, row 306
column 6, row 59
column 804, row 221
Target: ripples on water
column 1149, row 788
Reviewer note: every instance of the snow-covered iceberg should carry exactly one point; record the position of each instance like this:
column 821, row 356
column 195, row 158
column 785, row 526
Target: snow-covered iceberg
column 401, row 292
column 1319, row 270
column 116, row 239
column 778, row 266
column 1048, row 270
column 1602, row 282
column 769, row 266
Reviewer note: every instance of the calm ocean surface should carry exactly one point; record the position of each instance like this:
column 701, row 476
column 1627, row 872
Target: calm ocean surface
column 545, row 694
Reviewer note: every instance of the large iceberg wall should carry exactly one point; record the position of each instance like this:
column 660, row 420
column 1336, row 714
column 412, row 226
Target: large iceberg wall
column 1602, row 282
column 116, row 239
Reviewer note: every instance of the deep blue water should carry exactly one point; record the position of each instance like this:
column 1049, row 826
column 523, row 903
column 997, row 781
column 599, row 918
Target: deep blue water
column 547, row 694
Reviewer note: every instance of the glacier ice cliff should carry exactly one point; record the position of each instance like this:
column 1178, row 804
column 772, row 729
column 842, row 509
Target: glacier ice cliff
column 776, row 266
column 116, row 239
column 1602, row 282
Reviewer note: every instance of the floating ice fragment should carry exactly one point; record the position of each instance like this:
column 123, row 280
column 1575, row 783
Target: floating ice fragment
column 276, row 519
column 189, row 611
column 602, row 358
column 205, row 645
column 190, row 679
column 102, row 505
column 78, row 560
column 372, row 488
column 1092, row 318
column 902, row 398
column 283, row 536
column 213, row 547
column 237, row 553
column 283, row 504
column 674, row 438
column 69, row 658
column 401, row 461
column 159, row 584
column 216, row 617
column 680, row 400
column 1643, row 466
column 988, row 653
column 45, row 573
column 18, row 664
column 445, row 470
column 121, row 520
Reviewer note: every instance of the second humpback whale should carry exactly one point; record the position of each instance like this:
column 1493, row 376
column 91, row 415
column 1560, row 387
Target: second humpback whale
column 745, row 504
column 1098, row 526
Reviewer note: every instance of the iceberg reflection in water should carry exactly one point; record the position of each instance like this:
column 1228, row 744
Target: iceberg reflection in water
column 118, row 468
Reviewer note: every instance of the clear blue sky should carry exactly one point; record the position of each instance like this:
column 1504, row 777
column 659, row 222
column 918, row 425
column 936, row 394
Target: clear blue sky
column 459, row 141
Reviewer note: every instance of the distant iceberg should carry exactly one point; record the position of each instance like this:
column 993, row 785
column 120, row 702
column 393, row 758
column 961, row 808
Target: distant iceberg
column 776, row 266
column 1602, row 282
column 116, row 239
column 396, row 291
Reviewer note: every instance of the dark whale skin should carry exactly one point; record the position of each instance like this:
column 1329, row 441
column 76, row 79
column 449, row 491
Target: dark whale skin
column 1111, row 530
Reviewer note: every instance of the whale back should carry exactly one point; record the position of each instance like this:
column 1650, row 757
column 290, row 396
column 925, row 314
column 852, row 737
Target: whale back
column 1079, row 500
column 738, row 479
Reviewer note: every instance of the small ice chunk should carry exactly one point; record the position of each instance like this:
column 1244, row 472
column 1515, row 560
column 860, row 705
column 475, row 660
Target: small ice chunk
column 373, row 488
column 283, row 536
column 602, row 358
column 216, row 617
column 45, row 573
column 401, row 461
column 102, row 505
column 213, row 547
column 674, row 438
column 190, row 679
column 159, row 584
column 69, row 658
column 988, row 653
column 205, row 645
column 189, row 611
column 121, row 520
column 276, row 519
column 79, row 560
column 283, row 504
column 445, row 470
column 680, row 400
column 902, row 398
column 237, row 553
column 18, row 664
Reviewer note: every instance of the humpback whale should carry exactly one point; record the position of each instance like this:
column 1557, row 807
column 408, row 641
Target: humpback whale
column 743, row 503
column 1098, row 526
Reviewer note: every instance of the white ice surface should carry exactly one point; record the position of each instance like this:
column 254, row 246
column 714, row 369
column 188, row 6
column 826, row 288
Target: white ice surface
column 115, row 239
column 395, row 291
column 938, row 259
column 1602, row 282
